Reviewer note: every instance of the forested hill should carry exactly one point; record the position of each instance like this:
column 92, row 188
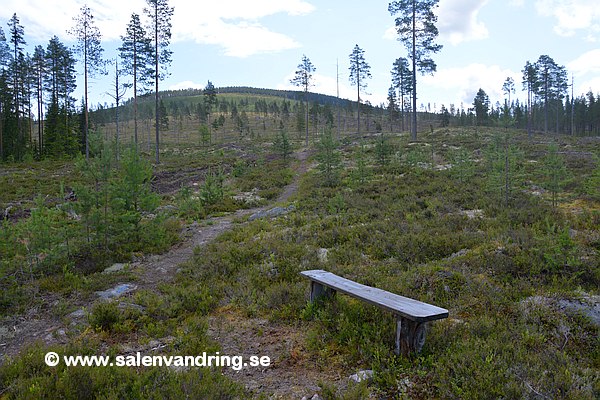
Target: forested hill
column 319, row 98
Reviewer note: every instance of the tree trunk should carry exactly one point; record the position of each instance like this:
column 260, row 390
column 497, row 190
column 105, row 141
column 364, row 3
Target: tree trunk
column 156, row 82
column 358, row 93
column 413, row 132
column 85, row 112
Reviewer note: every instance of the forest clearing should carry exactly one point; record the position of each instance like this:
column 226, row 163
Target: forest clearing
column 431, row 220
column 239, row 242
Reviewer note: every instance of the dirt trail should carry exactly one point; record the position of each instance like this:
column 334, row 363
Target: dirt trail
column 161, row 268
column 290, row 374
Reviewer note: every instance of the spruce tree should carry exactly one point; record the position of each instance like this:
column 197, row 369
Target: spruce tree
column 402, row 82
column 17, row 67
column 39, row 71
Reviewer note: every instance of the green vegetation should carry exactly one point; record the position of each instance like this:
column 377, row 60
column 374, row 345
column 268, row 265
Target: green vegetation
column 494, row 227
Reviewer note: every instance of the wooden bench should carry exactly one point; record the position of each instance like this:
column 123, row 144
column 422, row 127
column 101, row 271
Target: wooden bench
column 412, row 315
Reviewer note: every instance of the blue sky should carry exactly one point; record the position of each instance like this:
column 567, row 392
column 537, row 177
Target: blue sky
column 259, row 43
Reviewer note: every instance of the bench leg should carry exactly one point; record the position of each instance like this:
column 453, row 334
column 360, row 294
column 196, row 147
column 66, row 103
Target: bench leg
column 410, row 336
column 317, row 290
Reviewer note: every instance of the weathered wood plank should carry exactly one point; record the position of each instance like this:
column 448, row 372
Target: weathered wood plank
column 411, row 309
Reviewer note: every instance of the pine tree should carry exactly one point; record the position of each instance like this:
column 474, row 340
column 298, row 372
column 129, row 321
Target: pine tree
column 282, row 146
column 137, row 56
column 503, row 169
column 551, row 84
column 555, row 172
column 159, row 13
column 303, row 78
column 329, row 159
column 90, row 50
column 417, row 31
column 359, row 72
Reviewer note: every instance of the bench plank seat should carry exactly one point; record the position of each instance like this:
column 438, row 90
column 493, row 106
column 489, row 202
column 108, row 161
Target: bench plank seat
column 408, row 308
column 412, row 315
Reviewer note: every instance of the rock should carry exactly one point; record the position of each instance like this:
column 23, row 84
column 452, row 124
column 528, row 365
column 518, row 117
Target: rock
column 125, row 306
column 78, row 314
column 364, row 375
column 7, row 212
column 114, row 268
column 117, row 291
column 472, row 214
column 248, row 197
column 322, row 255
column 314, row 397
column 588, row 305
column 166, row 209
column 71, row 196
column 573, row 233
column 459, row 253
column 272, row 213
column 73, row 215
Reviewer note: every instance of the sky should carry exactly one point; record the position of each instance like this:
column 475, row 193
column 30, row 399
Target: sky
column 260, row 43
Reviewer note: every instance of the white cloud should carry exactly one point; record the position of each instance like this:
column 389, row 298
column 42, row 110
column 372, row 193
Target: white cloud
column 234, row 24
column 231, row 24
column 588, row 62
column 390, row 33
column 458, row 20
column 43, row 19
column 187, row 85
column 587, row 86
column 240, row 39
column 572, row 15
column 466, row 81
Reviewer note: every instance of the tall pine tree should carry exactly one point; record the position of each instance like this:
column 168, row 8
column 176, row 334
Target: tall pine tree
column 137, row 55
column 416, row 29
column 551, row 84
column 90, row 50
column 303, row 78
column 159, row 13
column 359, row 72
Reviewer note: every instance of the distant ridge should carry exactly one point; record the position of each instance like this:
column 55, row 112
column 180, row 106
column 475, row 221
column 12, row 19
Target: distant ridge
column 320, row 98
